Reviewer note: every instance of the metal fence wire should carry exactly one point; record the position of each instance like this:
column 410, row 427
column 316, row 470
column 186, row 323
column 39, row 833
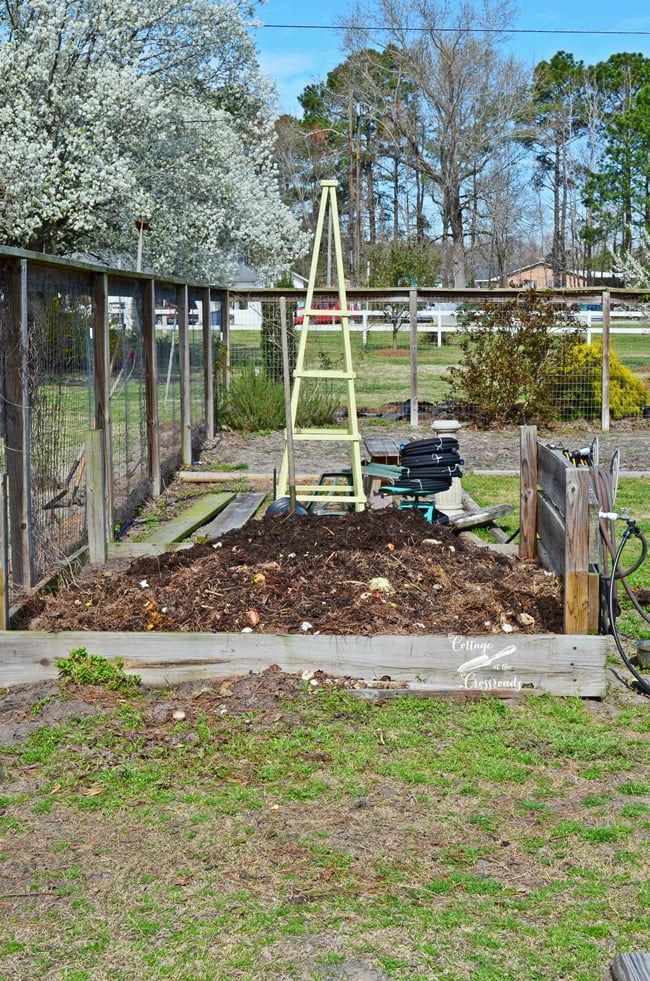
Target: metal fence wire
column 386, row 358
column 197, row 371
column 168, row 373
column 60, row 390
column 127, row 397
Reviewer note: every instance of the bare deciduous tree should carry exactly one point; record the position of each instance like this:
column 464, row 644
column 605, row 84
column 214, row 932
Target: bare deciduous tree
column 464, row 96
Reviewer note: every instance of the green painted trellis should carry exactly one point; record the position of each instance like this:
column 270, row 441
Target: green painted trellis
column 346, row 494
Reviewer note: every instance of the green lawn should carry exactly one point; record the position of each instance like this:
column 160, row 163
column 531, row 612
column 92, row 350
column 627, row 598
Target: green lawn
column 383, row 373
column 427, row 839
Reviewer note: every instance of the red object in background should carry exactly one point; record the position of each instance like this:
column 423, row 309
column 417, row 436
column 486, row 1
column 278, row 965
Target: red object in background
column 329, row 314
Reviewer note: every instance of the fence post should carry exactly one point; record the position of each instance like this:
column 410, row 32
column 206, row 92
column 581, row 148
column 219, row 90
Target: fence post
column 96, row 497
column 4, row 542
column 151, row 385
column 224, row 296
column 528, row 492
column 208, row 363
column 101, row 352
column 18, row 424
column 413, row 324
column 184, row 362
column 604, row 411
column 576, row 552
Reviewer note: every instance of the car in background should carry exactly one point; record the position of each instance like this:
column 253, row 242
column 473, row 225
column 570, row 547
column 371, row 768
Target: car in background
column 330, row 313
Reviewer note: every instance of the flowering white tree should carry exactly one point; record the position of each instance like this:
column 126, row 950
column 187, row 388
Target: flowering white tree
column 634, row 268
column 115, row 111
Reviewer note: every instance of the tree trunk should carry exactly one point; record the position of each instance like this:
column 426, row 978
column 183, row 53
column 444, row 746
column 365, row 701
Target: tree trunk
column 455, row 211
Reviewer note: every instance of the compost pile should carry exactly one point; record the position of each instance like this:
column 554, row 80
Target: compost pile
column 375, row 572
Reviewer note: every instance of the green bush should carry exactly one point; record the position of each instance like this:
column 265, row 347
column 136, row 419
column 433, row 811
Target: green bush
column 579, row 385
column 254, row 402
column 317, row 405
column 511, row 356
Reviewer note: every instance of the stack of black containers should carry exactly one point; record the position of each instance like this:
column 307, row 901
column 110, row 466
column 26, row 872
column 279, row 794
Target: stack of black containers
column 429, row 464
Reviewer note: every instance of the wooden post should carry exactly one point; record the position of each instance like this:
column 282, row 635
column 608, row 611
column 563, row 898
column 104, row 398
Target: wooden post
column 576, row 552
column 151, row 385
column 225, row 336
column 286, row 377
column 413, row 325
column 96, row 497
column 18, row 423
column 528, row 492
column 208, row 362
column 604, row 411
column 184, row 362
column 101, row 346
column 4, row 542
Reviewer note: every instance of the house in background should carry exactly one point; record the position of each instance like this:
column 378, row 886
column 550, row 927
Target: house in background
column 539, row 276
column 245, row 315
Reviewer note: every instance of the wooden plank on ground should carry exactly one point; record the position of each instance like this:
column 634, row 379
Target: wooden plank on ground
column 478, row 519
column 201, row 511
column 500, row 665
column 235, row 515
column 631, row 967
column 501, row 548
column 470, row 505
column 143, row 550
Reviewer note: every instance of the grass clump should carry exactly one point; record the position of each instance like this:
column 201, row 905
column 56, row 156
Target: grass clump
column 254, row 403
column 82, row 668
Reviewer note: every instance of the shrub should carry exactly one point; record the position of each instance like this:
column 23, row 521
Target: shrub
column 579, row 387
column 317, row 405
column 254, row 402
column 511, row 356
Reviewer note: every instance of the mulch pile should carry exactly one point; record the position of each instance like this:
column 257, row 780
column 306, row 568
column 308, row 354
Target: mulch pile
column 375, row 572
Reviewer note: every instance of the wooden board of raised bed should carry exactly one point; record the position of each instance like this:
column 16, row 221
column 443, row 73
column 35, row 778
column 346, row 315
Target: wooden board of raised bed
column 200, row 512
column 497, row 664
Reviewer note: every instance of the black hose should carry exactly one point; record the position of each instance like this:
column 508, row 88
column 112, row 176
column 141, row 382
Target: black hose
column 632, row 530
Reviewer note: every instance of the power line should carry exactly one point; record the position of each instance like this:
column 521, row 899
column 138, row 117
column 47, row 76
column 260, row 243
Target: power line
column 460, row 30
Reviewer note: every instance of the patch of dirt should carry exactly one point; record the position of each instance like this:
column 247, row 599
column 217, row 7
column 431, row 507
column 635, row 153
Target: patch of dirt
column 376, row 572
column 496, row 449
column 26, row 708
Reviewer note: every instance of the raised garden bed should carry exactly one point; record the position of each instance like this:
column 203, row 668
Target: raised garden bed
column 379, row 596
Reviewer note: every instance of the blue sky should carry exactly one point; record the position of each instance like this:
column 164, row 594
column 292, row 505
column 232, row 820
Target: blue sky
column 294, row 58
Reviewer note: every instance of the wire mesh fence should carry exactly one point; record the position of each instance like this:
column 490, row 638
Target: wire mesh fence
column 168, row 374
column 60, row 392
column 127, row 397
column 394, row 365
column 197, row 369
column 77, row 345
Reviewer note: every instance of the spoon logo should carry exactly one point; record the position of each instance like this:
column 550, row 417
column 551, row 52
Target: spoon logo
column 470, row 671
column 485, row 660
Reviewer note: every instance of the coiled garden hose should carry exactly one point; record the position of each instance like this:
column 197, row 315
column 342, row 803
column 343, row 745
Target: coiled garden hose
column 632, row 531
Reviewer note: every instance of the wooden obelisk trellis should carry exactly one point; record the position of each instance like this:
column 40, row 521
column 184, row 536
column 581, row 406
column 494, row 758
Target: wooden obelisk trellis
column 337, row 493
